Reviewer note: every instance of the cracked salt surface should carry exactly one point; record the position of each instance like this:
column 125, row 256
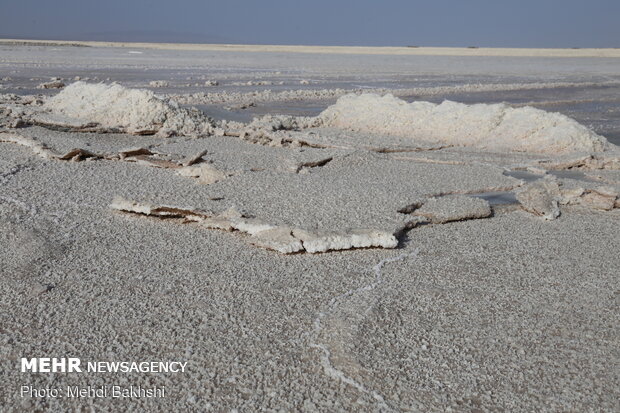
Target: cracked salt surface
column 302, row 215
column 330, row 368
column 336, row 228
column 508, row 296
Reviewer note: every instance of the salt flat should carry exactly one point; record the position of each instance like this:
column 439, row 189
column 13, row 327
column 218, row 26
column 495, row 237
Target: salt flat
column 325, row 256
column 340, row 50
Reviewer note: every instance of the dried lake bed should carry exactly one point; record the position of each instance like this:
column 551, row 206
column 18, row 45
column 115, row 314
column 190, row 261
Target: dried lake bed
column 304, row 242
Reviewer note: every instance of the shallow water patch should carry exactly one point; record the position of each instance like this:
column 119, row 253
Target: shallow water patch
column 498, row 198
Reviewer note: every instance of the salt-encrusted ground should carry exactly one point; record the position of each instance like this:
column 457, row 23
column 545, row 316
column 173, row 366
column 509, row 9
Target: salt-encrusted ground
column 134, row 227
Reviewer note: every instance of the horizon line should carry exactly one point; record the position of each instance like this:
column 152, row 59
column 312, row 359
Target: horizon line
column 339, row 49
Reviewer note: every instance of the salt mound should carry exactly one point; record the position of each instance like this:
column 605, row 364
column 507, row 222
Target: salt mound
column 487, row 126
column 133, row 111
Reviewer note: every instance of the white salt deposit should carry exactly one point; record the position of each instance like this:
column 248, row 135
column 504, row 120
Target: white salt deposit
column 454, row 208
column 284, row 239
column 278, row 239
column 541, row 198
column 159, row 83
column 205, row 173
column 488, row 126
column 134, row 111
column 321, row 241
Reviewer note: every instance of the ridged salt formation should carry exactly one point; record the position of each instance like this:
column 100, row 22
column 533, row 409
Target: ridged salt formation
column 284, row 239
column 495, row 127
column 114, row 107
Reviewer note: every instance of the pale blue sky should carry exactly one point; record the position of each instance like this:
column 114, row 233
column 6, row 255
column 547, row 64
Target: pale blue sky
column 499, row 23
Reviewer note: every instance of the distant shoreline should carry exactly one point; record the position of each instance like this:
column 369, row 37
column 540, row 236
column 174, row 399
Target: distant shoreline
column 366, row 50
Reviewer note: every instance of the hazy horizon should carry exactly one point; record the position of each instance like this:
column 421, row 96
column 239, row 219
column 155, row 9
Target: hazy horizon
column 450, row 23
